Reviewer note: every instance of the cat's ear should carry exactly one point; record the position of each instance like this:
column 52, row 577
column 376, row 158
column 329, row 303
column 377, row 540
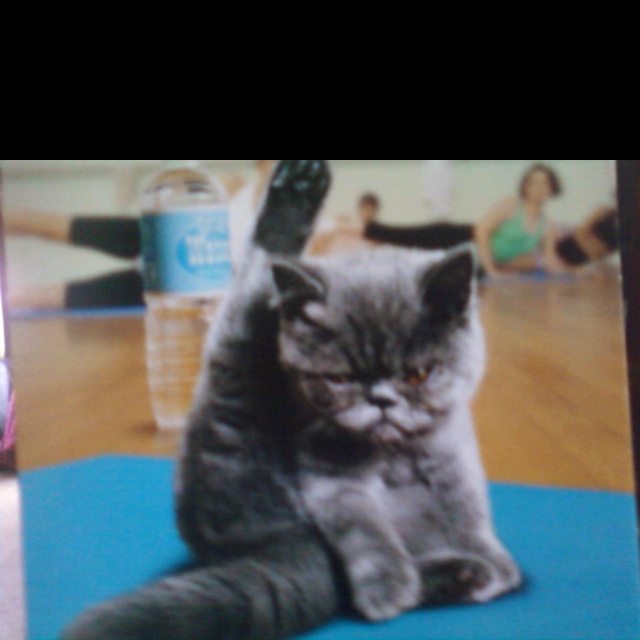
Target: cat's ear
column 446, row 286
column 297, row 284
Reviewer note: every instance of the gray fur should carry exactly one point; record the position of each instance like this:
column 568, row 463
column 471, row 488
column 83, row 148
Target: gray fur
column 330, row 462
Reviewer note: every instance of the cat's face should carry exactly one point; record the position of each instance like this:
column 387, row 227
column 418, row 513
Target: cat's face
column 384, row 343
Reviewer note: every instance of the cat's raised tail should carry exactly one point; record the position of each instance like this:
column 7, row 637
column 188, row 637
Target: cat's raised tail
column 287, row 588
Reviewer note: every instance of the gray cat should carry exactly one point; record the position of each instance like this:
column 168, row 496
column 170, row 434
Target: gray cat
column 330, row 464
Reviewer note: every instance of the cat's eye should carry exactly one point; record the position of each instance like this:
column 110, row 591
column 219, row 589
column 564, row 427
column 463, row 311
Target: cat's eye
column 418, row 376
column 338, row 378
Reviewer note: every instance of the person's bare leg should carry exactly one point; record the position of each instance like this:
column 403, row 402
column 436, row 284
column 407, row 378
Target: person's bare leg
column 33, row 222
column 51, row 296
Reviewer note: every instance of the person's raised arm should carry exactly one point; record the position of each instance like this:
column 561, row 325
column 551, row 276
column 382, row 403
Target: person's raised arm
column 552, row 262
column 485, row 229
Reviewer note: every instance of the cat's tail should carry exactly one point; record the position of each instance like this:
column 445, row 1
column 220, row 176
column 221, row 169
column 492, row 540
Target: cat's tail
column 290, row 205
column 288, row 588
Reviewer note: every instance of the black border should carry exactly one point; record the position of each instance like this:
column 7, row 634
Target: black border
column 628, row 174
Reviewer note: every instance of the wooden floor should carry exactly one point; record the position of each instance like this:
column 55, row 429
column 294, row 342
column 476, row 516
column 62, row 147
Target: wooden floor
column 552, row 409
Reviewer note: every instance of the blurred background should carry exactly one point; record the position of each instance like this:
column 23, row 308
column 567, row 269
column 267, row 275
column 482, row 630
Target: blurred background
column 411, row 192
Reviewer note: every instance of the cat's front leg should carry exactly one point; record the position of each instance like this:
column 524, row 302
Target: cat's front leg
column 382, row 574
column 455, row 474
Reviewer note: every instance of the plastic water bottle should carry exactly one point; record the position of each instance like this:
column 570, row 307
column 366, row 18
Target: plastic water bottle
column 187, row 269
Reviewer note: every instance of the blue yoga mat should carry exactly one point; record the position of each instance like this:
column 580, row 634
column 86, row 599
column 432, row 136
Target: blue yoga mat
column 537, row 275
column 98, row 312
column 102, row 526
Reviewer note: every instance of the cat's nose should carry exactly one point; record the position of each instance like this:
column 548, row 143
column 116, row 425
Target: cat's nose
column 383, row 403
column 382, row 395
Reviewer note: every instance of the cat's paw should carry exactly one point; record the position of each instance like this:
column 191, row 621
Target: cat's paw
column 306, row 180
column 454, row 579
column 505, row 577
column 383, row 589
column 466, row 579
column 293, row 199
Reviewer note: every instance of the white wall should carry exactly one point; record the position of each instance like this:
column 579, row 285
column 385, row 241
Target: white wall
column 586, row 185
column 74, row 186
column 35, row 261
column 477, row 185
column 110, row 186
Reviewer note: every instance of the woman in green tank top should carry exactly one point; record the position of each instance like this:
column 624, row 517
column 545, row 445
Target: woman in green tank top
column 514, row 235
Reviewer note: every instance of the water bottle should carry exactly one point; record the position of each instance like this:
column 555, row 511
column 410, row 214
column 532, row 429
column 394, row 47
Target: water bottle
column 187, row 268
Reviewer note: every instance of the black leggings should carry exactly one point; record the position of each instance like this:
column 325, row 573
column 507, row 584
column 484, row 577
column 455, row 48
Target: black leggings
column 443, row 235
column 575, row 249
column 118, row 289
column 118, row 236
column 439, row 235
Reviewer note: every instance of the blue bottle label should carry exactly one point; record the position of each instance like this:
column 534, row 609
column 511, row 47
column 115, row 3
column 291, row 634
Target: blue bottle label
column 186, row 251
